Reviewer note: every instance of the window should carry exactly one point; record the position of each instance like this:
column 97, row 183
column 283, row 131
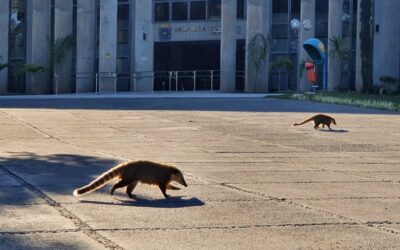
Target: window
column 179, row 11
column 214, row 9
column 295, row 6
column 280, row 6
column 241, row 9
column 198, row 10
column 279, row 30
column 161, row 12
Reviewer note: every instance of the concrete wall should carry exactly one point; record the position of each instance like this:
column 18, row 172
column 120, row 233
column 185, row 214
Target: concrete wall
column 259, row 13
column 63, row 15
column 334, row 30
column 228, row 46
column 307, row 12
column 85, row 45
column 4, row 27
column 107, row 44
column 387, row 40
column 144, row 44
column 37, row 49
column 132, row 14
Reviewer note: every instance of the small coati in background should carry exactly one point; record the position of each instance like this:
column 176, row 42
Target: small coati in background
column 319, row 119
column 131, row 172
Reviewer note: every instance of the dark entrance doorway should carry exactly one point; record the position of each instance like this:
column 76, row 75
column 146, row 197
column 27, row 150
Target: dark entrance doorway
column 182, row 56
column 187, row 57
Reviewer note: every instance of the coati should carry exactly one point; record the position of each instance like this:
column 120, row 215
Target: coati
column 319, row 119
column 131, row 172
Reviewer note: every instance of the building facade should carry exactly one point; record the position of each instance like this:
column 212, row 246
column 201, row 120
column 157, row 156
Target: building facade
column 186, row 45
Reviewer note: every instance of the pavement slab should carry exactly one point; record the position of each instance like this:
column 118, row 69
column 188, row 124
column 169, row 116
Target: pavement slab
column 255, row 182
column 285, row 237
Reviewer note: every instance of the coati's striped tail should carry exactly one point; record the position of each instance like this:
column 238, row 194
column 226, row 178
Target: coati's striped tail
column 301, row 123
column 98, row 183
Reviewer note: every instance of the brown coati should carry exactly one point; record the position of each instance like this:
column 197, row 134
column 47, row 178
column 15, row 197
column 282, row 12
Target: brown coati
column 319, row 119
column 131, row 172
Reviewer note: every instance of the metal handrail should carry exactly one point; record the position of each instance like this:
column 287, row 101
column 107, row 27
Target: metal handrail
column 173, row 80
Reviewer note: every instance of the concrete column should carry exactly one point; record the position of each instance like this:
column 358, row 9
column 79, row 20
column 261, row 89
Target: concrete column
column 144, row 45
column 228, row 46
column 359, row 81
column 37, row 49
column 335, row 24
column 4, row 27
column 307, row 12
column 108, row 44
column 258, row 21
column 85, row 45
column 132, row 15
column 386, row 40
column 63, row 18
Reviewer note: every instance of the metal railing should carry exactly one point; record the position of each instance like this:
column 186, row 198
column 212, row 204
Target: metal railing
column 97, row 82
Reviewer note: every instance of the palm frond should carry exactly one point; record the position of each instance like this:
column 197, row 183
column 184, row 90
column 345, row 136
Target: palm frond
column 58, row 51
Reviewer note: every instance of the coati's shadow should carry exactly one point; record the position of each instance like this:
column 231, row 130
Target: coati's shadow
column 171, row 202
column 334, row 130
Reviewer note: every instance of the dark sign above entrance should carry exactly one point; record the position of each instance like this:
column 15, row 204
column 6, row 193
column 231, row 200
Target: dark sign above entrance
column 165, row 32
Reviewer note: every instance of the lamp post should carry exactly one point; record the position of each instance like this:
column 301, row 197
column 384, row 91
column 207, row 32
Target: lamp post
column 296, row 26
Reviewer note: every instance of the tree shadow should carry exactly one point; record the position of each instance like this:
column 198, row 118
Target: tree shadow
column 58, row 175
column 171, row 202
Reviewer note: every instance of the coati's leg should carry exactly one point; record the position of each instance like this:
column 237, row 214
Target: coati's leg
column 130, row 188
column 120, row 184
column 163, row 187
column 329, row 126
column 323, row 125
column 172, row 187
column 316, row 125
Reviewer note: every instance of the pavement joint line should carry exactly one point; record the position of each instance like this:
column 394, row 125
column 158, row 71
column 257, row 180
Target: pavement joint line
column 39, row 131
column 346, row 198
column 81, row 225
column 308, row 182
column 313, row 209
column 40, row 232
column 233, row 226
column 368, row 223
column 63, row 141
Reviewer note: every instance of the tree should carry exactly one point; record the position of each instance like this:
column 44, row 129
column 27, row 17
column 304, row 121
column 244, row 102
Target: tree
column 2, row 65
column 339, row 50
column 282, row 63
column 259, row 49
column 58, row 51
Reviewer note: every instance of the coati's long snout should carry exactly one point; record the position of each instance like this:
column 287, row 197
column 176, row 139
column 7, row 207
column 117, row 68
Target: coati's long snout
column 178, row 177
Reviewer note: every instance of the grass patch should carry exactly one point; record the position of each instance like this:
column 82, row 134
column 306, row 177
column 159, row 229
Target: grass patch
column 386, row 102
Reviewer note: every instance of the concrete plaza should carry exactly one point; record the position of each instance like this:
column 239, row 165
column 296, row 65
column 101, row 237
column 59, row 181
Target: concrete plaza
column 255, row 182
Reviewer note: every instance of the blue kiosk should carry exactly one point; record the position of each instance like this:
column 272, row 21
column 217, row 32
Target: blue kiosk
column 316, row 51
